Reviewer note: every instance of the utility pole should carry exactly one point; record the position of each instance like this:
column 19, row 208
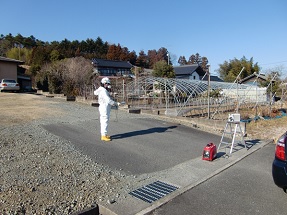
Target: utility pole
column 208, row 92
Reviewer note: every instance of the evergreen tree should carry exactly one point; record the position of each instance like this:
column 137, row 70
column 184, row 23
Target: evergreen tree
column 182, row 61
column 142, row 60
column 228, row 71
column 162, row 69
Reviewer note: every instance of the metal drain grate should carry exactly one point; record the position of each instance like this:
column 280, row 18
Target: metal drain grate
column 153, row 191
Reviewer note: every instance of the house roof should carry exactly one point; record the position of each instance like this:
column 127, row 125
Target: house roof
column 188, row 70
column 10, row 60
column 254, row 75
column 111, row 63
column 213, row 78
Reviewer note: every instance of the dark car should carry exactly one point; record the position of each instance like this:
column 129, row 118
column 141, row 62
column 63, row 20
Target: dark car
column 28, row 89
column 279, row 166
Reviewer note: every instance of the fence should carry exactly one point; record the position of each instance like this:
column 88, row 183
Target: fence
column 179, row 97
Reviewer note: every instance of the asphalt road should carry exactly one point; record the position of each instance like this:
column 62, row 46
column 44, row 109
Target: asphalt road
column 140, row 144
column 144, row 145
column 245, row 188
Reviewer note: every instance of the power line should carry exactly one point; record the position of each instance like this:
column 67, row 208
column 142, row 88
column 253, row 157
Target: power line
column 274, row 63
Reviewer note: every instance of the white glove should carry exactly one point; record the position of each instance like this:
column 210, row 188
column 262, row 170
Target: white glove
column 118, row 104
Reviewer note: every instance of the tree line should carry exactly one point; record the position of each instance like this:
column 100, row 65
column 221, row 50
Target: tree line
column 38, row 54
column 35, row 52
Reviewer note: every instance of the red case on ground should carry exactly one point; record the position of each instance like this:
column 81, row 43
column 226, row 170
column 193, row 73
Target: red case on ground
column 209, row 152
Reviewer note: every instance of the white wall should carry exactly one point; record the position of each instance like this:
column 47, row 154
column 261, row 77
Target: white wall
column 252, row 94
column 194, row 76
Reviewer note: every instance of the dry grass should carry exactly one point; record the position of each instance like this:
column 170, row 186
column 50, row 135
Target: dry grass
column 268, row 129
column 19, row 108
column 263, row 128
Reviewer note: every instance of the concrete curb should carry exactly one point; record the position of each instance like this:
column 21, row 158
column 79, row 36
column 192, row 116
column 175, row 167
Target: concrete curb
column 176, row 193
column 88, row 211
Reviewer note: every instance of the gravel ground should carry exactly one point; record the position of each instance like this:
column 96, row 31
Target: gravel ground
column 41, row 173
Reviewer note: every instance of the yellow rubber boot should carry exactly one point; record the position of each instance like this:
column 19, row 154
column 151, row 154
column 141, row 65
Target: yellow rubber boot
column 106, row 138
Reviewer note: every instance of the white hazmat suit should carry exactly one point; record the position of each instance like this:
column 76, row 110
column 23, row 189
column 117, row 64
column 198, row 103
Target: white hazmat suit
column 105, row 104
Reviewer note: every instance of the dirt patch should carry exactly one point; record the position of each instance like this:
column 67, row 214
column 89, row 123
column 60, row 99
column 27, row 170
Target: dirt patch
column 21, row 108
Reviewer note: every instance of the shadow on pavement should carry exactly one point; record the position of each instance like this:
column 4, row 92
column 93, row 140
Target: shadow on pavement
column 251, row 143
column 237, row 147
column 143, row 132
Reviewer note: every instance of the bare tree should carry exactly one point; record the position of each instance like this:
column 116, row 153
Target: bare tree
column 79, row 72
column 68, row 76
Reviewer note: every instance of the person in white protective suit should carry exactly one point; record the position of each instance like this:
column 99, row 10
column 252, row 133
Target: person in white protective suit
column 105, row 104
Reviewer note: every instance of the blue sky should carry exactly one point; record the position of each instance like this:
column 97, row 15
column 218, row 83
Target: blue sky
column 219, row 30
